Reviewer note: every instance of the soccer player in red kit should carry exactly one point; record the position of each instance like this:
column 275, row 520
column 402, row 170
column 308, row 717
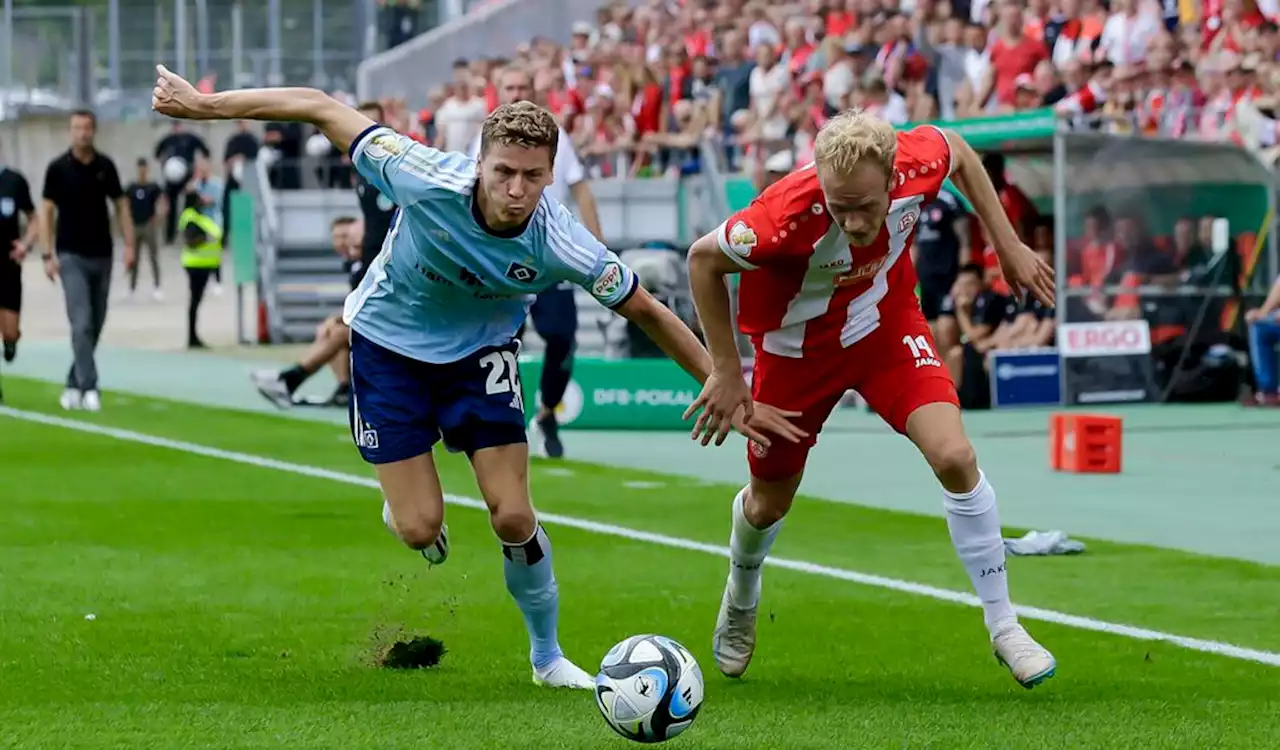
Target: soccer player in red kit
column 827, row 296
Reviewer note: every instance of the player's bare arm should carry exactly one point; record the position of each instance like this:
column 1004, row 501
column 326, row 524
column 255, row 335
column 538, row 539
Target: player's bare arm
column 48, row 211
column 725, row 394
column 1022, row 268
column 682, row 346
column 176, row 97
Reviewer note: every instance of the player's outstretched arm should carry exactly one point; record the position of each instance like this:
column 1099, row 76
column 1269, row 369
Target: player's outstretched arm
column 1022, row 268
column 725, row 394
column 708, row 269
column 682, row 346
column 176, row 97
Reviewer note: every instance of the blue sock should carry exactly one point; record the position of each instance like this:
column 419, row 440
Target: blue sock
column 532, row 583
column 1263, row 337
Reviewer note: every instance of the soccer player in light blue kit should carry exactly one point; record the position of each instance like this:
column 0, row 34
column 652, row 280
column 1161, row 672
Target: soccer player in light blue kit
column 434, row 320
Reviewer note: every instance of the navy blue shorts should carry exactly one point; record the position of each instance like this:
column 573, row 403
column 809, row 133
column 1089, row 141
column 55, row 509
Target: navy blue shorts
column 400, row 407
column 555, row 314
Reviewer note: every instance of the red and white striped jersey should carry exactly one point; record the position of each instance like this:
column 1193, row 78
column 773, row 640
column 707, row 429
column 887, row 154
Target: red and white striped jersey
column 805, row 287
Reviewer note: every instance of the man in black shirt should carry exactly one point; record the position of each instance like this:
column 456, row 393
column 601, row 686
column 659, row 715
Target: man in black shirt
column 76, row 229
column 285, row 141
column 941, row 247
column 15, row 205
column 147, row 204
column 184, row 145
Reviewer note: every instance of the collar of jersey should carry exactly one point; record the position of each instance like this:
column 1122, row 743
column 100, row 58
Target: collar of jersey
column 505, row 234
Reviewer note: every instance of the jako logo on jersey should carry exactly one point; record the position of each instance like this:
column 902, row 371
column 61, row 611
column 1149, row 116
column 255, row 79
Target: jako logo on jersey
column 907, row 222
column 521, row 273
column 833, row 265
column 742, row 239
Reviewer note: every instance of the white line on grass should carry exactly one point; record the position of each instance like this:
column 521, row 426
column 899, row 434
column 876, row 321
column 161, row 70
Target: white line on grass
column 866, row 579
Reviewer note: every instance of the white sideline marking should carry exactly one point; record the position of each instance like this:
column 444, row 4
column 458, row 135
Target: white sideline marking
column 866, row 579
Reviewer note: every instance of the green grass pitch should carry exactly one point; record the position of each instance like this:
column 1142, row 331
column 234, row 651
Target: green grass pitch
column 241, row 606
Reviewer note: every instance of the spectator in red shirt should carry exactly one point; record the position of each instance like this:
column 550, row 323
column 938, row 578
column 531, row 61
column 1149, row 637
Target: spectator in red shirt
column 1013, row 53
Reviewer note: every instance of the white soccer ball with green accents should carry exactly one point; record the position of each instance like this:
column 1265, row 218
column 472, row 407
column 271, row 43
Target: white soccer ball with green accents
column 649, row 688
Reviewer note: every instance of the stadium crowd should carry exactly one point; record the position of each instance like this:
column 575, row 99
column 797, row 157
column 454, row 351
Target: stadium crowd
column 640, row 87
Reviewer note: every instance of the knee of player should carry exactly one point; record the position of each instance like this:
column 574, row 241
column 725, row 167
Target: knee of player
column 953, row 458
column 418, row 531
column 770, row 500
column 513, row 522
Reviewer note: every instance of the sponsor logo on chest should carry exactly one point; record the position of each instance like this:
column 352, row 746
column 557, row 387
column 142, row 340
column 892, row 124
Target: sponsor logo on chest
column 850, row 265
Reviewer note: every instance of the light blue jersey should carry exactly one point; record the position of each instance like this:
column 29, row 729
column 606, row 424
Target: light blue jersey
column 444, row 285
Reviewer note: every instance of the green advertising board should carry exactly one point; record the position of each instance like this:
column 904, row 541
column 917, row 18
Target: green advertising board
column 617, row 394
column 244, row 236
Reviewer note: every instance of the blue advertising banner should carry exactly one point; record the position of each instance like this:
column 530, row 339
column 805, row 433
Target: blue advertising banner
column 1026, row 378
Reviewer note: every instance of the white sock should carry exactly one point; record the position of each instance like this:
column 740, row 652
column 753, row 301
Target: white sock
column 975, row 532
column 748, row 548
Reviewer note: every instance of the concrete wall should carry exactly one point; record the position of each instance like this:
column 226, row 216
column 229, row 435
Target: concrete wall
column 29, row 145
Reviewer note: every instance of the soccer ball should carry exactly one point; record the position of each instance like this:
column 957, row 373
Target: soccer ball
column 318, row 145
column 649, row 688
column 175, row 170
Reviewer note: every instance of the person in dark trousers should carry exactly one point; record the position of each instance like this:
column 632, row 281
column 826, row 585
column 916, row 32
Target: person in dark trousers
column 183, row 144
column 76, row 229
column 201, row 257
column 15, row 205
column 148, row 206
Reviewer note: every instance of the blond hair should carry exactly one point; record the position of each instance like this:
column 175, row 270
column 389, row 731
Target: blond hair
column 521, row 124
column 855, row 137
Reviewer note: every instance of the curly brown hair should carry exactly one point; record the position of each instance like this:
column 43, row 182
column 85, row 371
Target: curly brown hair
column 522, row 124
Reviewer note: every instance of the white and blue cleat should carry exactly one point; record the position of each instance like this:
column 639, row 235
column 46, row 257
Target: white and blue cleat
column 1028, row 661
column 563, row 673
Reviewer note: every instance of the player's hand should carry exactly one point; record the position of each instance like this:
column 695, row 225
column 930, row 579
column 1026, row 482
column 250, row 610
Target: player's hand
column 130, row 256
column 723, row 396
column 52, row 268
column 1027, row 272
column 770, row 420
column 176, row 97
column 18, row 252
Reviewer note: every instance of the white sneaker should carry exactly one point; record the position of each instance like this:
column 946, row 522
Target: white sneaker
column 272, row 387
column 157, row 295
column 564, row 673
column 70, row 399
column 1028, row 661
column 735, row 638
column 217, row 290
column 91, row 401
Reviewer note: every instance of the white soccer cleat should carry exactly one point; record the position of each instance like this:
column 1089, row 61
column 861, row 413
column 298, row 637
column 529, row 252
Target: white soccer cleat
column 735, row 638
column 563, row 673
column 91, row 401
column 438, row 552
column 1028, row 661
column 272, row 387
column 70, row 399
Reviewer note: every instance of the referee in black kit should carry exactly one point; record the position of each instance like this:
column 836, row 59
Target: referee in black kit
column 15, row 204
column 76, row 229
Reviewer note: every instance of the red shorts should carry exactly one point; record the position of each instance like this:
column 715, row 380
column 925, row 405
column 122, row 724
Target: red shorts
column 896, row 368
